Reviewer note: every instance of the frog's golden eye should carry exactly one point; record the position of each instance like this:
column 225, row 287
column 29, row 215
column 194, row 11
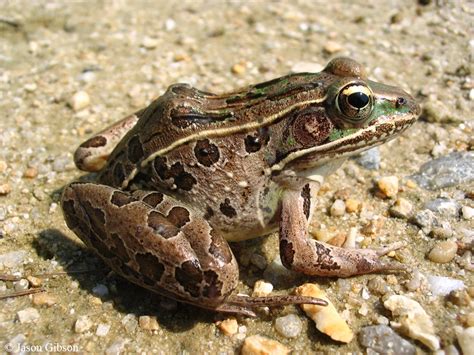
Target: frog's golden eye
column 355, row 102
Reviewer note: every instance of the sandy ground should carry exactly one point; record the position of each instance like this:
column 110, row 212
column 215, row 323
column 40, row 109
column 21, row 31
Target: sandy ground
column 123, row 54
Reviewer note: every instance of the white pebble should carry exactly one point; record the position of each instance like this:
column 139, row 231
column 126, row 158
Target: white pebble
column 100, row 290
column 262, row 288
column 80, row 100
column 338, row 208
column 83, row 324
column 289, row 326
column 28, row 315
column 442, row 286
column 102, row 330
column 465, row 339
column 170, row 24
column 467, row 212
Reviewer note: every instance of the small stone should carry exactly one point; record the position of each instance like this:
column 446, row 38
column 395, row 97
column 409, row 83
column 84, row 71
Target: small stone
column 148, row 323
column 443, row 286
column 34, row 281
column 28, row 315
column 44, row 299
column 443, row 232
column 467, row 212
column 426, row 220
column 100, row 290
column 259, row 261
column 149, row 42
column 259, row 345
column 262, row 288
column 412, row 320
column 170, row 24
column 117, row 347
column 465, row 339
column 332, row 47
column 402, row 208
column 5, row 189
column 378, row 286
column 13, row 259
column 338, row 240
column 80, row 100
column 388, row 186
column 21, row 285
column 130, row 322
column 228, row 326
column 323, row 235
column 353, row 205
column 373, row 227
column 238, row 69
column 289, row 326
column 443, row 252
column 327, row 319
column 102, row 330
column 83, row 324
column 443, row 206
column 369, row 159
column 30, row 173
column 415, row 281
column 338, row 208
column 411, row 184
column 384, row 340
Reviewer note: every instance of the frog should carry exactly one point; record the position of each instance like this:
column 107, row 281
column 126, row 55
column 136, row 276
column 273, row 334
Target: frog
column 179, row 180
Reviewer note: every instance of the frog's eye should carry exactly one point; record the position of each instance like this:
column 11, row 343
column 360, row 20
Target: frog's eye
column 355, row 102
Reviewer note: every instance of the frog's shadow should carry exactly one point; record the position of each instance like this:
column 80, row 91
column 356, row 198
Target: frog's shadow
column 88, row 270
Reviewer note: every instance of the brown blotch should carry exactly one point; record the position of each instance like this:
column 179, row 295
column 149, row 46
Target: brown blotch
column 253, row 143
column 209, row 213
column 150, row 266
column 178, row 216
column 213, row 287
column 118, row 247
column 153, row 199
column 227, row 209
column 161, row 225
column 119, row 174
column 96, row 215
column 189, row 275
column 182, row 179
column 69, row 212
column 287, row 253
column 135, row 149
column 94, row 142
column 219, row 248
column 160, row 167
column 206, row 153
column 311, row 127
column 120, row 198
column 306, row 194
column 325, row 259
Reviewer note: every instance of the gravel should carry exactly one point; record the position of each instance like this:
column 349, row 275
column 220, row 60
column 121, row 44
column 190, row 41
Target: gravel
column 384, row 340
column 289, row 326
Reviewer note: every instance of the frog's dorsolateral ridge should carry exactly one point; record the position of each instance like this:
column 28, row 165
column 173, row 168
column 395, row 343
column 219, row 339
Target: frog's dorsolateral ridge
column 194, row 170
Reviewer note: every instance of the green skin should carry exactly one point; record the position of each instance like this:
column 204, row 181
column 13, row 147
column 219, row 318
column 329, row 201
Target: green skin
column 230, row 167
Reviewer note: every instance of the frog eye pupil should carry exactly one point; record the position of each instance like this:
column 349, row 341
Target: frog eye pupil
column 358, row 100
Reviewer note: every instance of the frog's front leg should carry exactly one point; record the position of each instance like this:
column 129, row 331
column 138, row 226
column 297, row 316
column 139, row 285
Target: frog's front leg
column 311, row 257
column 94, row 152
column 158, row 243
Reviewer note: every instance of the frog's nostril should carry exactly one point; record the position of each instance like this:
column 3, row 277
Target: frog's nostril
column 401, row 101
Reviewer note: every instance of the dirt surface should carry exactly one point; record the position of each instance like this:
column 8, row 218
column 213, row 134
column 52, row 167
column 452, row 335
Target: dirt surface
column 123, row 54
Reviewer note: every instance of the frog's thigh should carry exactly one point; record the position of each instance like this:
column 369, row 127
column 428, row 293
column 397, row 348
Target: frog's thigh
column 153, row 241
column 311, row 257
column 93, row 153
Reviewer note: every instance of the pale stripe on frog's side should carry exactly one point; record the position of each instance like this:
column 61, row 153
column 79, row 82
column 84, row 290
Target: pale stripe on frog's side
column 252, row 165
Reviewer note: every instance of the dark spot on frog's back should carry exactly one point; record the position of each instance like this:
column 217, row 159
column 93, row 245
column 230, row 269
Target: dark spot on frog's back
column 306, row 194
column 182, row 179
column 255, row 141
column 150, row 266
column 135, row 149
column 219, row 248
column 161, row 225
column 189, row 275
column 178, row 216
column 286, row 253
column 213, row 286
column 206, row 153
column 120, row 198
column 94, row 142
column 227, row 209
column 153, row 199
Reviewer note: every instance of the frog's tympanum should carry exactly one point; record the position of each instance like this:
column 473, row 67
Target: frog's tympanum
column 180, row 178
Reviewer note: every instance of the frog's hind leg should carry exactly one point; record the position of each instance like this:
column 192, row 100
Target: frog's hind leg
column 156, row 242
column 94, row 152
column 311, row 257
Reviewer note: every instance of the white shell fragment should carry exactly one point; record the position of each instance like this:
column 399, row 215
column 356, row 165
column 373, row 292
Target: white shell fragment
column 327, row 319
column 412, row 320
column 442, row 286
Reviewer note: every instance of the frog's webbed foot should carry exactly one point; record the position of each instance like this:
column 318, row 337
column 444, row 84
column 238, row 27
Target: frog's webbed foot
column 312, row 257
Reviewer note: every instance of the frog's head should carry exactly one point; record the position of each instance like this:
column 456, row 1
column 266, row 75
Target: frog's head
column 354, row 115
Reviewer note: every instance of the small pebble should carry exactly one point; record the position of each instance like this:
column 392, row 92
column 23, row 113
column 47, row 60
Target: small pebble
column 13, row 259
column 228, row 326
column 34, row 281
column 83, row 324
column 170, row 24
column 5, row 189
column 149, row 42
column 238, row 69
column 117, row 347
column 373, row 227
column 445, row 207
column 21, row 285
column 443, row 232
column 353, row 205
column 102, row 330
column 30, row 173
column 415, row 281
column 28, row 315
column 465, row 339
column 44, row 299
column 259, row 261
column 443, row 286
column 259, row 345
column 467, row 212
column 332, row 47
column 378, row 286
column 148, row 323
column 338, row 208
column 80, row 100
column 402, row 208
column 388, row 186
column 382, row 339
column 100, row 290
column 262, row 288
column 426, row 220
column 338, row 240
column 443, row 252
column 289, row 326
column 130, row 322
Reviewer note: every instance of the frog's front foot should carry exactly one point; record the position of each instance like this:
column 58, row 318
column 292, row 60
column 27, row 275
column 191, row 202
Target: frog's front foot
column 312, row 257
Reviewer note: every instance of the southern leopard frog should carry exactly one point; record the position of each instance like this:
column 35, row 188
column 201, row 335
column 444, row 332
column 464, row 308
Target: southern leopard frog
column 194, row 170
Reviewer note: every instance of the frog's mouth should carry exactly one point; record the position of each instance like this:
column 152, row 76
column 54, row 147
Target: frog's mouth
column 323, row 159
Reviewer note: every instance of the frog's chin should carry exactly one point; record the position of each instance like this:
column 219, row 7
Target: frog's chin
column 318, row 173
